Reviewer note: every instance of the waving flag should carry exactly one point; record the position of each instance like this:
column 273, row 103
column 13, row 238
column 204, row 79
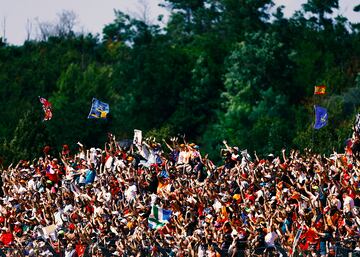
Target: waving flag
column 321, row 117
column 46, row 105
column 296, row 239
column 164, row 174
column 158, row 217
column 357, row 124
column 137, row 137
column 320, row 90
column 99, row 110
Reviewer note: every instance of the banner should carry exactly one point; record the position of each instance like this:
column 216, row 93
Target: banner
column 320, row 90
column 158, row 217
column 49, row 231
column 137, row 137
column 99, row 110
column 321, row 117
column 46, row 105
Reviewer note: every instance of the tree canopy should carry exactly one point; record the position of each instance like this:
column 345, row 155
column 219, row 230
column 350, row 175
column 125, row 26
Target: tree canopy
column 219, row 69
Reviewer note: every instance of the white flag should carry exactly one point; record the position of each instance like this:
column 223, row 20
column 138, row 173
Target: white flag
column 137, row 137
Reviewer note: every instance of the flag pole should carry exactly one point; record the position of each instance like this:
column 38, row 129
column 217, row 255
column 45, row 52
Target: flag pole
column 319, row 90
column 313, row 136
column 313, row 127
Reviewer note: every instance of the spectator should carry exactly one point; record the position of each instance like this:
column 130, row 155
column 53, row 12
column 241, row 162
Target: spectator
column 98, row 202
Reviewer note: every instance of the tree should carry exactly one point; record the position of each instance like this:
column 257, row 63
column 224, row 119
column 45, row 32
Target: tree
column 244, row 16
column 72, row 101
column 255, row 111
column 30, row 136
column 187, row 7
column 66, row 23
column 62, row 27
column 321, row 8
column 219, row 69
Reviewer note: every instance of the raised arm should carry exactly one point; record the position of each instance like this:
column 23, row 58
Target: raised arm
column 168, row 146
column 227, row 146
column 284, row 155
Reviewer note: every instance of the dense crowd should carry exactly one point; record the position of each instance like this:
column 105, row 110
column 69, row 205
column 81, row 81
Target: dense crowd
column 96, row 202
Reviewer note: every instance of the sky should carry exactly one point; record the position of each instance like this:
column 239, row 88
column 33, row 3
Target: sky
column 18, row 15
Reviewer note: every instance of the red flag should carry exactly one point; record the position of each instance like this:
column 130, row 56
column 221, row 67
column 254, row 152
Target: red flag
column 80, row 249
column 46, row 105
column 320, row 90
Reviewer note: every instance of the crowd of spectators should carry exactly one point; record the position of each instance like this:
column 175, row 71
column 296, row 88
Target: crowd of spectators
column 96, row 202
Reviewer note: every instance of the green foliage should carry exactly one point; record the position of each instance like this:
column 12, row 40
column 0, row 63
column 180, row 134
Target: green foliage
column 72, row 101
column 31, row 135
column 219, row 69
column 255, row 115
column 321, row 6
column 159, row 134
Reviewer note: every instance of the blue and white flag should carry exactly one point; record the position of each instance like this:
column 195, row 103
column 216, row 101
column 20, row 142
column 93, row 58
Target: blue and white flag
column 158, row 217
column 99, row 110
column 164, row 174
column 321, row 117
column 296, row 239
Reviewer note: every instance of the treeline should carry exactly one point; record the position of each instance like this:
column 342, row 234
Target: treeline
column 220, row 69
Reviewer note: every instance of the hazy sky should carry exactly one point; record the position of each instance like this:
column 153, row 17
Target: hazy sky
column 94, row 14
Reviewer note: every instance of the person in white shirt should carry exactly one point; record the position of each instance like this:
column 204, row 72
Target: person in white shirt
column 70, row 251
column 184, row 155
column 348, row 203
column 270, row 238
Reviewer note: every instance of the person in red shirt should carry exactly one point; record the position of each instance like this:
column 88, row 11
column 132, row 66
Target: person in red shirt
column 6, row 237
